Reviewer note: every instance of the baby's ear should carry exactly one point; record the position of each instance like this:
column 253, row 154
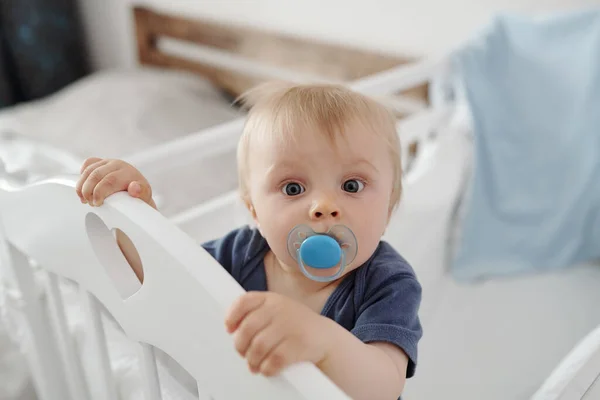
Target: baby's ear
column 391, row 211
column 250, row 207
column 252, row 211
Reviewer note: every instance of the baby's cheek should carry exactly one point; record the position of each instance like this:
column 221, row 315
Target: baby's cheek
column 276, row 234
column 368, row 237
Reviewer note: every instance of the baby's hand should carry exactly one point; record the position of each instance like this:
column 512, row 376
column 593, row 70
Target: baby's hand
column 102, row 177
column 273, row 332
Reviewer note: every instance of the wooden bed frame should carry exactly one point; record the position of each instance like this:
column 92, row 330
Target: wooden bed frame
column 332, row 62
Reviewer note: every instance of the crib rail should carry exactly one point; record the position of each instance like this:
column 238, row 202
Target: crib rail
column 383, row 85
column 417, row 127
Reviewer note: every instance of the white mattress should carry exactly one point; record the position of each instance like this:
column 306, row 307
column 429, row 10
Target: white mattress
column 501, row 339
column 117, row 113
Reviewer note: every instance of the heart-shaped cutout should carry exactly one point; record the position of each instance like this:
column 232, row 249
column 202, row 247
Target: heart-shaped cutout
column 106, row 248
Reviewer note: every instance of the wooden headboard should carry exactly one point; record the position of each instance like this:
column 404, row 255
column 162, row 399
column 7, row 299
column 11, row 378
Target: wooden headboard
column 329, row 61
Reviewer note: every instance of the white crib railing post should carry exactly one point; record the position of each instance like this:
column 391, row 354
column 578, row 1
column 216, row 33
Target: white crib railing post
column 75, row 377
column 102, row 384
column 151, row 385
column 39, row 342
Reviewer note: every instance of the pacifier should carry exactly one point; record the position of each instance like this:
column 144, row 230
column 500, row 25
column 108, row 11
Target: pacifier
column 322, row 251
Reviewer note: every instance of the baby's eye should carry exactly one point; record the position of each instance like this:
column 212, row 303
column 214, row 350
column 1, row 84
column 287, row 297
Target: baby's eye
column 353, row 186
column 293, row 189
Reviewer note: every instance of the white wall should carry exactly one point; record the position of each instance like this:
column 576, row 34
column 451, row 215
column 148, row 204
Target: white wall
column 417, row 27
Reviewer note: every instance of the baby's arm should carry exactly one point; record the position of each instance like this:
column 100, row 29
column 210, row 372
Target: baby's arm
column 101, row 178
column 272, row 332
column 364, row 371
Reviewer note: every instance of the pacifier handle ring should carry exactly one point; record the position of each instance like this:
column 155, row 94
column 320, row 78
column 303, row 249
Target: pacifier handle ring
column 322, row 278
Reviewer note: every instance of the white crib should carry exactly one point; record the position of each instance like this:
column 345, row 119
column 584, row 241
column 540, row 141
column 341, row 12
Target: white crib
column 52, row 247
column 49, row 237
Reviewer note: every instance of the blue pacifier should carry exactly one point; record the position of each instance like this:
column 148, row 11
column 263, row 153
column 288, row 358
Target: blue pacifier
column 322, row 251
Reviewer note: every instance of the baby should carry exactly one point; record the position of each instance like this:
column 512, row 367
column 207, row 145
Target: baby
column 320, row 173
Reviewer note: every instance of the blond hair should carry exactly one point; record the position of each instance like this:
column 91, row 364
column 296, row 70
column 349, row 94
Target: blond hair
column 281, row 110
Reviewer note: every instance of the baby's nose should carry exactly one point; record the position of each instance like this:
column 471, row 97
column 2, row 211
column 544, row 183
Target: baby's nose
column 324, row 209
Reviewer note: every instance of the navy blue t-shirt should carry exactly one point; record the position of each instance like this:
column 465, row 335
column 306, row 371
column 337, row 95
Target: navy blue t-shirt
column 379, row 301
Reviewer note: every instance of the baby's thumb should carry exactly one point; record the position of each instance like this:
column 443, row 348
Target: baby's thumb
column 141, row 191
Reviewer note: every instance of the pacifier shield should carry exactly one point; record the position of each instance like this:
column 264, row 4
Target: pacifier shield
column 321, row 252
column 347, row 241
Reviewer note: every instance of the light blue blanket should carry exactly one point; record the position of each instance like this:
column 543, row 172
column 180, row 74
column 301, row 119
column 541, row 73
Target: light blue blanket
column 533, row 87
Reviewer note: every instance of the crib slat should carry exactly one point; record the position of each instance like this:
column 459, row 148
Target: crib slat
column 75, row 378
column 102, row 384
column 40, row 347
column 149, row 371
column 203, row 395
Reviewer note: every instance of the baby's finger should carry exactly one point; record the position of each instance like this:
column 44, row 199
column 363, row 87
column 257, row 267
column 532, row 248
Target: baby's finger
column 135, row 189
column 94, row 178
column 140, row 190
column 281, row 356
column 113, row 182
column 241, row 307
column 84, row 176
column 262, row 345
column 88, row 162
column 251, row 326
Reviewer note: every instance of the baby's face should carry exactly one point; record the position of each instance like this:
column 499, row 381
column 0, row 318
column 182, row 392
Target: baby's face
column 321, row 184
